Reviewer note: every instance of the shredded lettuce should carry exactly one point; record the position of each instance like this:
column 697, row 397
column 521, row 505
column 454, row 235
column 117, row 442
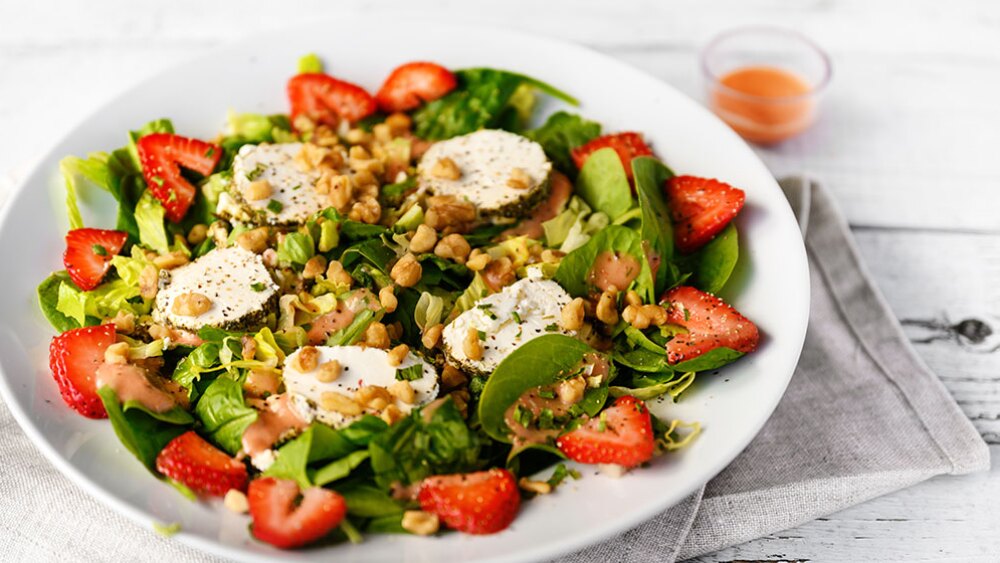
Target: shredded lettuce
column 267, row 347
column 149, row 216
column 429, row 310
column 329, row 235
column 79, row 173
column 296, row 248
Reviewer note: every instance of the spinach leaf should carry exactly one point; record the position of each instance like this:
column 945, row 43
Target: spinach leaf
column 224, row 414
column 374, row 251
column 355, row 230
column 561, row 133
column 540, row 361
column 392, row 524
column 140, row 433
column 650, row 175
column 643, row 360
column 432, row 440
column 367, row 501
column 637, row 339
column 438, row 272
column 484, row 98
column 716, row 260
column 48, row 299
column 713, row 359
column 602, row 183
column 320, row 443
column 574, row 269
column 340, row 468
column 176, row 415
column 202, row 359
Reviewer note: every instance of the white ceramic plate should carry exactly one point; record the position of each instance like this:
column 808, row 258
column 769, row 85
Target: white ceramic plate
column 771, row 287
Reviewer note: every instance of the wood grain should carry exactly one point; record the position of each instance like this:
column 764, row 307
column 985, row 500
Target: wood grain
column 908, row 142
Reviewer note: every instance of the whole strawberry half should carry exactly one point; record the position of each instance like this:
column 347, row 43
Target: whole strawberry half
column 74, row 357
column 200, row 466
column 700, row 208
column 287, row 517
column 710, row 322
column 412, row 84
column 88, row 255
column 484, row 502
column 621, row 435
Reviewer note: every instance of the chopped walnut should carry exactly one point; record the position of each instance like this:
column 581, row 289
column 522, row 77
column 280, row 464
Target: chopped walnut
column 448, row 213
column 191, row 304
column 572, row 314
column 446, row 169
column 407, row 271
column 519, row 179
column 424, row 239
column 453, row 247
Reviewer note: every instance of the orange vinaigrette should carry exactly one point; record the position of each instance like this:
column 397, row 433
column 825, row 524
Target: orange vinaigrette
column 764, row 104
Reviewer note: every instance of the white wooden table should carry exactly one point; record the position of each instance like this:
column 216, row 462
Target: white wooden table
column 909, row 141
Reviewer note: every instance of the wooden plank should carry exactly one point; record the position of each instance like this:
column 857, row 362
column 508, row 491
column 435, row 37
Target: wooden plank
column 940, row 520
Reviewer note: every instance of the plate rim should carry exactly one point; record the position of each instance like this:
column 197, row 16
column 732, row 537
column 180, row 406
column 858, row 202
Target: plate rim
column 564, row 546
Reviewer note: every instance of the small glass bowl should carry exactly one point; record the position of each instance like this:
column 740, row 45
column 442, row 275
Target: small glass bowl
column 793, row 71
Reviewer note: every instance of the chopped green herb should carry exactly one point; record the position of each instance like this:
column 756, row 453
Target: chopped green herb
column 519, row 331
column 256, row 172
column 296, row 186
column 523, row 416
column 487, row 309
column 258, row 286
column 411, row 373
column 547, row 393
column 210, row 152
column 560, row 474
column 482, row 335
column 517, row 318
column 552, row 327
column 275, row 206
column 602, row 424
column 546, row 419
column 172, row 197
column 157, row 180
column 687, row 314
column 99, row 250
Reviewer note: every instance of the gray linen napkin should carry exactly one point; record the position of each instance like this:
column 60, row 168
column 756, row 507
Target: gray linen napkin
column 861, row 418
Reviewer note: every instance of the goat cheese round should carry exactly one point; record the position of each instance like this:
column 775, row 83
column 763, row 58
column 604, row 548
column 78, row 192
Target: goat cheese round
column 293, row 197
column 503, row 174
column 520, row 312
column 239, row 288
column 360, row 366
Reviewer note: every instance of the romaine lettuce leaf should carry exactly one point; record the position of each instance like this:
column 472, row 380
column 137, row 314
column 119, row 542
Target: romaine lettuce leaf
column 48, row 300
column 149, row 214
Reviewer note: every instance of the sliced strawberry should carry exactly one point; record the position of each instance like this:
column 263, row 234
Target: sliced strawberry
column 628, row 146
column 200, row 466
column 622, row 435
column 88, row 255
column 161, row 155
column 412, row 84
column 710, row 324
column 326, row 100
column 700, row 208
column 74, row 357
column 283, row 518
column 484, row 502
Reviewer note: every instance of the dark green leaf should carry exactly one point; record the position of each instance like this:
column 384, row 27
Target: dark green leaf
column 602, row 183
column 540, row 361
column 560, row 134
column 224, row 414
column 713, row 359
column 367, row 501
column 320, row 443
column 139, row 432
column 650, row 175
column 717, row 260
column 574, row 269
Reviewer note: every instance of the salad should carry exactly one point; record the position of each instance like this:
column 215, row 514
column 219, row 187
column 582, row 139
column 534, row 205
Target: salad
column 391, row 313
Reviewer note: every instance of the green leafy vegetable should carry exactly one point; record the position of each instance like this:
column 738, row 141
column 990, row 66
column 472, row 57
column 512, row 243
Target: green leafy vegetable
column 717, row 260
column 93, row 171
column 296, row 248
column 320, row 444
column 432, row 440
column 541, row 361
column 140, row 433
column 204, row 358
column 48, row 299
column 602, row 183
column 149, row 215
column 650, row 175
column 340, row 468
column 354, row 331
column 574, row 269
column 561, row 133
column 224, row 414
column 411, row 373
column 713, row 359
column 484, row 98
column 367, row 501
